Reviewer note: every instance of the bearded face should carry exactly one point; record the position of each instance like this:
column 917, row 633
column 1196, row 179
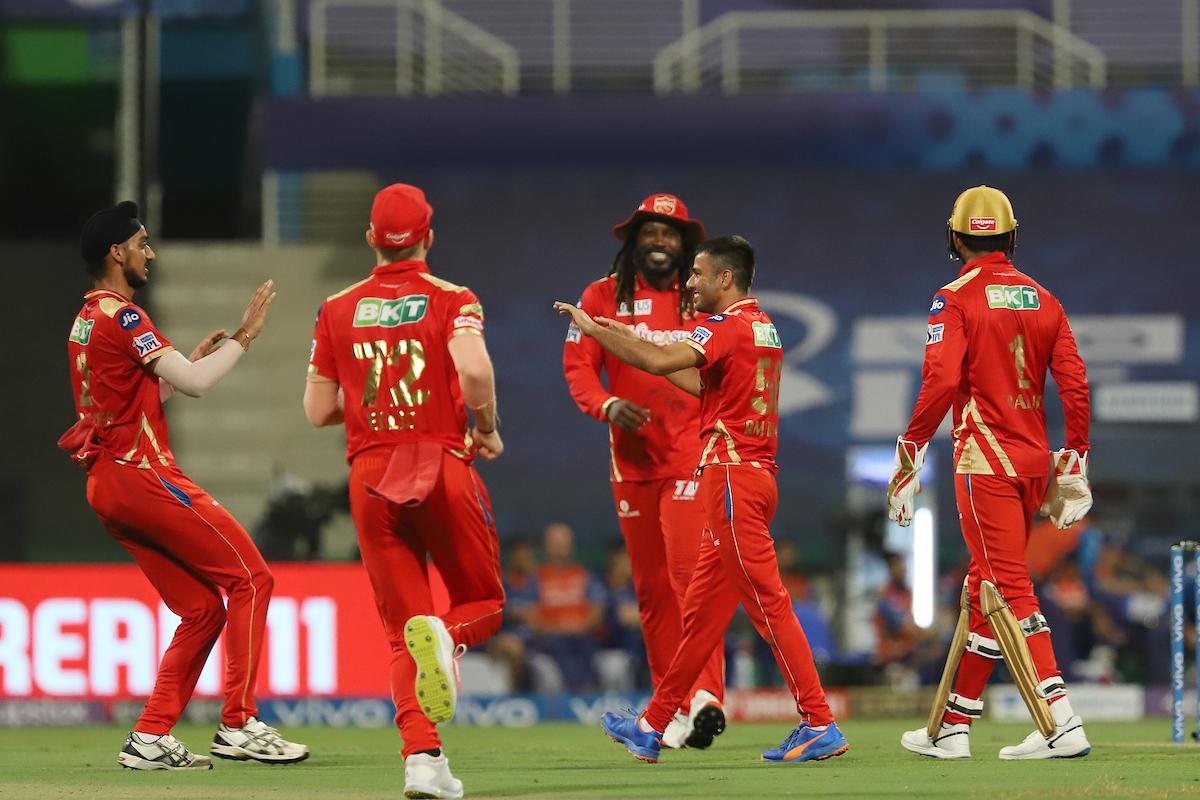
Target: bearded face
column 659, row 249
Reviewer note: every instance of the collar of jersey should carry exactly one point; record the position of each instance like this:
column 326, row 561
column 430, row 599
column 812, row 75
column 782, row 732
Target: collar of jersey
column 94, row 293
column 397, row 267
column 745, row 302
column 986, row 261
column 640, row 283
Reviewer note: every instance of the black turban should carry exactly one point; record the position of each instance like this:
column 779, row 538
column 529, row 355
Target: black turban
column 106, row 228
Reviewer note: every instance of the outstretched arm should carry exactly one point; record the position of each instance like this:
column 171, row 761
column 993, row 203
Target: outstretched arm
column 209, row 345
column 196, row 378
column 645, row 356
column 687, row 379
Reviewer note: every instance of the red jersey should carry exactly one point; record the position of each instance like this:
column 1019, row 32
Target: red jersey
column 384, row 341
column 111, row 350
column 666, row 446
column 992, row 335
column 739, row 386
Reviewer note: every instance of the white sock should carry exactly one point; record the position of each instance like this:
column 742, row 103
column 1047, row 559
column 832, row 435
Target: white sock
column 1061, row 710
column 147, row 738
column 644, row 726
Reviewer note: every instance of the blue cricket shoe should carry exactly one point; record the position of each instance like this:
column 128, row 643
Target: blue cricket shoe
column 805, row 743
column 625, row 730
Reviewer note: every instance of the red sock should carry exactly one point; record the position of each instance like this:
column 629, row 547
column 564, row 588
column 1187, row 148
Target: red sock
column 973, row 673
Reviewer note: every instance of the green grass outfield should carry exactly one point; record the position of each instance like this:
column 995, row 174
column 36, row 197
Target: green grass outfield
column 565, row 761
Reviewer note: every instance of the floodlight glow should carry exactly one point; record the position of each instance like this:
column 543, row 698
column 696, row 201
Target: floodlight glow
column 924, row 570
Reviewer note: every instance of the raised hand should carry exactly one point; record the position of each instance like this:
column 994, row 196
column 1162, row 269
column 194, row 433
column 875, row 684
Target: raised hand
column 256, row 313
column 587, row 326
column 208, row 344
column 618, row 327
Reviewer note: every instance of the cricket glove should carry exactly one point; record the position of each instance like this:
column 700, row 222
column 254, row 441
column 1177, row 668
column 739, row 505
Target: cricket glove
column 906, row 481
column 1069, row 496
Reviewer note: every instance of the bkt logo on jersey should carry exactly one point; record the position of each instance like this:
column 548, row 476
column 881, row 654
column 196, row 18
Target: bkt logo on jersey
column 130, row 319
column 375, row 311
column 1017, row 298
column 765, row 335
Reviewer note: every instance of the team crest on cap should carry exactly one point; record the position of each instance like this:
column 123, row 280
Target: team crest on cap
column 983, row 224
column 664, row 204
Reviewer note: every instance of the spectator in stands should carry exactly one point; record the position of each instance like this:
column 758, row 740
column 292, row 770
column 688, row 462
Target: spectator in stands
column 521, row 599
column 622, row 659
column 902, row 643
column 569, row 610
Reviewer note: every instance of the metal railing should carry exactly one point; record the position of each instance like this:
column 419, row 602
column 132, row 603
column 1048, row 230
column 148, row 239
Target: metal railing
column 1147, row 44
column 877, row 50
column 404, row 47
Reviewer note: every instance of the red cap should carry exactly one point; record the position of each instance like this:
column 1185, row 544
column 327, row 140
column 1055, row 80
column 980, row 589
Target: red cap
column 400, row 216
column 664, row 208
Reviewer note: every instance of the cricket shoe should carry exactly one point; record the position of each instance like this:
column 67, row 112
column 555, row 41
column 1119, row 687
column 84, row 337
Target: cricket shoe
column 953, row 742
column 806, row 743
column 1068, row 741
column 706, row 720
column 429, row 776
column 433, row 651
column 256, row 741
column 676, row 733
column 162, row 752
column 642, row 745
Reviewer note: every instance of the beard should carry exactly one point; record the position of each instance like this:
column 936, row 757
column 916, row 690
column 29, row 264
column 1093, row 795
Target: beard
column 134, row 278
column 657, row 268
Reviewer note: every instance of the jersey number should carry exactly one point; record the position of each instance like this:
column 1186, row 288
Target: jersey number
column 85, row 380
column 402, row 394
column 1017, row 346
column 766, row 381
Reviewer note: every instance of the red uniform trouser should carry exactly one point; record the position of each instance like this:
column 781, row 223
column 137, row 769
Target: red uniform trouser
column 662, row 522
column 997, row 516
column 190, row 548
column 737, row 563
column 454, row 527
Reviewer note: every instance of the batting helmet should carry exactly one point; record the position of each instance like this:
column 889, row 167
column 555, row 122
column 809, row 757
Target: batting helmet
column 981, row 211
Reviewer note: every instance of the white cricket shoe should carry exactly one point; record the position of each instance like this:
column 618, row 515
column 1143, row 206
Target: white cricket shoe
column 429, row 776
column 676, row 733
column 162, row 752
column 1068, row 741
column 952, row 743
column 433, row 651
column 258, row 741
column 704, row 721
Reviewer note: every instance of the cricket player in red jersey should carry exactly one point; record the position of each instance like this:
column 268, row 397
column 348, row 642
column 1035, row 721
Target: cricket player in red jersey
column 654, row 434
column 732, row 362
column 993, row 333
column 189, row 547
column 399, row 358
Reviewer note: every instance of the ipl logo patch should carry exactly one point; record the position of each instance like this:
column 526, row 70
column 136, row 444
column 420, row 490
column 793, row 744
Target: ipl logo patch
column 146, row 344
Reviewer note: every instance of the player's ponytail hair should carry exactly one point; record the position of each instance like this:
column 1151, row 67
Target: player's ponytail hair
column 626, row 272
